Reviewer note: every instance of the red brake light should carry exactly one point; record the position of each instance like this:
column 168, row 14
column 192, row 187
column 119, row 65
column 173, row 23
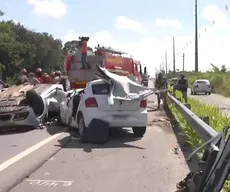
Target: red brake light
column 143, row 104
column 91, row 102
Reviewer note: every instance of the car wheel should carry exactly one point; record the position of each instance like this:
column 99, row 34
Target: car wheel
column 35, row 102
column 81, row 125
column 139, row 131
column 191, row 93
column 209, row 93
column 195, row 93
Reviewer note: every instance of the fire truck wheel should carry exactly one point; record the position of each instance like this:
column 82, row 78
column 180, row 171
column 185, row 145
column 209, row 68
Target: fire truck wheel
column 35, row 102
column 66, row 84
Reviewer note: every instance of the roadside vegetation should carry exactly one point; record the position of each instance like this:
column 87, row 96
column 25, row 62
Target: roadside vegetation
column 218, row 77
column 216, row 120
column 21, row 47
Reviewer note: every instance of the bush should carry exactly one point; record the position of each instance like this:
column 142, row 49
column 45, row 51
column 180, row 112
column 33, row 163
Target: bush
column 216, row 119
column 220, row 81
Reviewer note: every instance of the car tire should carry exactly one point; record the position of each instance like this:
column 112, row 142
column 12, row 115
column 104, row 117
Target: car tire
column 35, row 102
column 66, row 84
column 195, row 93
column 191, row 93
column 209, row 93
column 139, row 131
column 81, row 125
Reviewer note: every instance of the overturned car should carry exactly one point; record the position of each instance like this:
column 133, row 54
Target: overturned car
column 114, row 99
column 29, row 105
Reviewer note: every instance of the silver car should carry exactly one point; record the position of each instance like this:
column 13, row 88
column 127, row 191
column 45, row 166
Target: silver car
column 29, row 105
column 201, row 86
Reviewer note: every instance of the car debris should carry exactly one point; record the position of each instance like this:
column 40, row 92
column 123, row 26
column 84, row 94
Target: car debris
column 29, row 105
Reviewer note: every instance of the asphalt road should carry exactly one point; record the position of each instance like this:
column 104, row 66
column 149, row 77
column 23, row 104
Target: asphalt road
column 223, row 103
column 123, row 164
column 14, row 142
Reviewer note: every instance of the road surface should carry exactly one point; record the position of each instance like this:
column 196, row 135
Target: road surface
column 223, row 103
column 123, row 164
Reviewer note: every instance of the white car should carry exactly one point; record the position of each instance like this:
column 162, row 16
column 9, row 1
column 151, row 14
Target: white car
column 201, row 86
column 94, row 102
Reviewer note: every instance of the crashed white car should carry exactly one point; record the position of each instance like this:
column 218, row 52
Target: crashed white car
column 114, row 99
column 29, row 105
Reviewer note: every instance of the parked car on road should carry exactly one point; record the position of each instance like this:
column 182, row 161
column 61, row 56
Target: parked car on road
column 201, row 86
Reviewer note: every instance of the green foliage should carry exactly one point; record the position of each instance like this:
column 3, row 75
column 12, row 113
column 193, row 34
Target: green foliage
column 24, row 48
column 218, row 77
column 216, row 119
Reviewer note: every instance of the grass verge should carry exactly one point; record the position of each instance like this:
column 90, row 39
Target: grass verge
column 216, row 120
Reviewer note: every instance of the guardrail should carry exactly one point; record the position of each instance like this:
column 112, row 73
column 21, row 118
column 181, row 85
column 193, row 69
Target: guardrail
column 214, row 171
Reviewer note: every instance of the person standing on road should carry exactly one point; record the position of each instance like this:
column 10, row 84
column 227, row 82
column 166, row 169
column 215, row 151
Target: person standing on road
column 22, row 77
column 160, row 84
column 181, row 85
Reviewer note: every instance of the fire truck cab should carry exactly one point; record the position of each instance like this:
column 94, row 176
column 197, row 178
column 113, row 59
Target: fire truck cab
column 107, row 57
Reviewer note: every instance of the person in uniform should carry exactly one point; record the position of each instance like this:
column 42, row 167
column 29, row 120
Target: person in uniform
column 57, row 78
column 22, row 77
column 32, row 79
column 181, row 85
column 161, row 85
column 38, row 75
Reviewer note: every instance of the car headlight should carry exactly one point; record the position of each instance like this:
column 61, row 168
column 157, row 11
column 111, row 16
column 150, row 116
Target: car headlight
column 21, row 116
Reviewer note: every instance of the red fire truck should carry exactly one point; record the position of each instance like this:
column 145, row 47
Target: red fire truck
column 107, row 57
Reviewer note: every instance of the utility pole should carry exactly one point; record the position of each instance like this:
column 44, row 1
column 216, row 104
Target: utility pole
column 183, row 61
column 166, row 64
column 174, row 58
column 196, row 39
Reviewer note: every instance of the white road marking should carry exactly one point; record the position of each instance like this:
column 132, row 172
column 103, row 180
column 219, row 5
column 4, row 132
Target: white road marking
column 27, row 152
column 49, row 183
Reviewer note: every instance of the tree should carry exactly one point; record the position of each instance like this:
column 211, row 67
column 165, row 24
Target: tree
column 24, row 48
column 223, row 69
column 1, row 13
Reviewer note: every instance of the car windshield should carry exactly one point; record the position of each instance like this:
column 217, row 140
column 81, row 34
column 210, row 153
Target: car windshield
column 101, row 89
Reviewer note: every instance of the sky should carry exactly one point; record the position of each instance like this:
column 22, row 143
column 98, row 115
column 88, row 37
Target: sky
column 143, row 29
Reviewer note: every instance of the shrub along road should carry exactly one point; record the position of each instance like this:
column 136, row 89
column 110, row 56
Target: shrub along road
column 223, row 103
column 123, row 164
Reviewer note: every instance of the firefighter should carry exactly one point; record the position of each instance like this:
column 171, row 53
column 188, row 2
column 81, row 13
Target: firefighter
column 161, row 84
column 57, row 78
column 84, row 52
column 38, row 75
column 45, row 78
column 22, row 77
column 32, row 79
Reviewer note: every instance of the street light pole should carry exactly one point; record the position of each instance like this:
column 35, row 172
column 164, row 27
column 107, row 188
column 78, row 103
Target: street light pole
column 174, row 58
column 166, row 63
column 196, row 39
column 183, row 62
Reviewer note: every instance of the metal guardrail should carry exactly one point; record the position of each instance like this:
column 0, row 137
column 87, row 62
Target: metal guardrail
column 215, row 170
column 204, row 130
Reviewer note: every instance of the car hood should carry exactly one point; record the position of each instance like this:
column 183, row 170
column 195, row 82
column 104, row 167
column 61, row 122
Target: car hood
column 122, row 87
